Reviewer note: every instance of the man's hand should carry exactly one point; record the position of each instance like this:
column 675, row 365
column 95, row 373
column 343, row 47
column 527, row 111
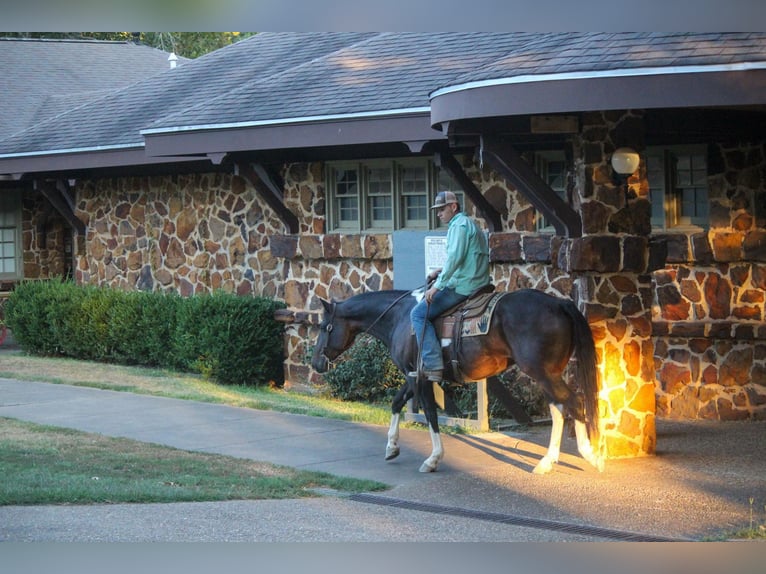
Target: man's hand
column 430, row 294
column 433, row 275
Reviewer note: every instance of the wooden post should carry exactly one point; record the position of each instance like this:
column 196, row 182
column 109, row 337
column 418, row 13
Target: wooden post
column 482, row 405
column 480, row 423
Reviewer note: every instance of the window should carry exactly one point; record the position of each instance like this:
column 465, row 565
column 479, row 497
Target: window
column 384, row 195
column 678, row 186
column 551, row 167
column 10, row 235
column 380, row 184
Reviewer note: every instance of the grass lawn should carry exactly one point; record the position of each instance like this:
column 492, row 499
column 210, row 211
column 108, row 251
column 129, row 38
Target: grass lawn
column 160, row 382
column 50, row 465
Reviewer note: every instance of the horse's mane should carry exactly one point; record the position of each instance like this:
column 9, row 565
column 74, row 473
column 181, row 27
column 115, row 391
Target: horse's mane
column 370, row 300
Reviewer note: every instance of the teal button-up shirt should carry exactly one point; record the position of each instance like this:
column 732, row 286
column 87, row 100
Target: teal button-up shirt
column 467, row 266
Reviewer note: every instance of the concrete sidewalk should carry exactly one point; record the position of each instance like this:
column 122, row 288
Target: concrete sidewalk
column 698, row 485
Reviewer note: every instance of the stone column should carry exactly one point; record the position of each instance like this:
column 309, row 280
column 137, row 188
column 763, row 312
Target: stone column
column 612, row 287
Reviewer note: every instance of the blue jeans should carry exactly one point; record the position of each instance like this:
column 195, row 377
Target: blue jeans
column 430, row 345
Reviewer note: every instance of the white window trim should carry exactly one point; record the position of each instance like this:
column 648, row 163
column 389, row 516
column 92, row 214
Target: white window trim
column 363, row 223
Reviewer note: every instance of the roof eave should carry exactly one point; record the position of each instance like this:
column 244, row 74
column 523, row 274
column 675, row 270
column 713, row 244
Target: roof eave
column 23, row 165
column 291, row 134
column 570, row 93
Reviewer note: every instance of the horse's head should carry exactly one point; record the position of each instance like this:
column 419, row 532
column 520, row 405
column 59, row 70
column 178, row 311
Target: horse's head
column 335, row 336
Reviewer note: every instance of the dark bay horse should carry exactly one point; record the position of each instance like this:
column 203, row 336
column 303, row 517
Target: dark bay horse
column 536, row 331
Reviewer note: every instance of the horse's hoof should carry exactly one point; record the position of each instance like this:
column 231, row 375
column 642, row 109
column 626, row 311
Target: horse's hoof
column 596, row 462
column 543, row 467
column 392, row 453
column 425, row 467
column 599, row 464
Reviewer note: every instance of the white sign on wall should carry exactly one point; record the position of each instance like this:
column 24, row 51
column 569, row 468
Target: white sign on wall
column 435, row 252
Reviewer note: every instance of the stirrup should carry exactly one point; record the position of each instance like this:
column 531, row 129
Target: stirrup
column 433, row 376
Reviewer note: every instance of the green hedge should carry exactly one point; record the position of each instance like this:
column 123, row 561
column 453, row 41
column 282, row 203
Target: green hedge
column 231, row 339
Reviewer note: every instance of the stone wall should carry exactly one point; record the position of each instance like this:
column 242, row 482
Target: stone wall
column 45, row 239
column 612, row 286
column 191, row 234
column 691, row 333
column 708, row 317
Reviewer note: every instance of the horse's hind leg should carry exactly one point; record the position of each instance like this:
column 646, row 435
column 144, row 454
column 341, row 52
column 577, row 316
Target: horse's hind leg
column 576, row 407
column 554, row 447
column 428, row 402
column 437, row 452
column 584, row 446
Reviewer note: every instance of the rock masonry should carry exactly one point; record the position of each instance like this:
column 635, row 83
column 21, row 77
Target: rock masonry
column 684, row 339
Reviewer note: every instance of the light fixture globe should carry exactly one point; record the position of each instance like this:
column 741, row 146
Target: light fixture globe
column 625, row 161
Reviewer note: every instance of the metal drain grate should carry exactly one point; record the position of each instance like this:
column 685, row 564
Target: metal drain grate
column 510, row 519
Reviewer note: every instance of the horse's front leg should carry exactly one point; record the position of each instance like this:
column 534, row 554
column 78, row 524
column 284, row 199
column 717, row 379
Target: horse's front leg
column 392, row 446
column 402, row 396
column 429, row 409
column 554, row 447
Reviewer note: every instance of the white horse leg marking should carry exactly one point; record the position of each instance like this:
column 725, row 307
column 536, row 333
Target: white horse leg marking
column 392, row 447
column 554, row 448
column 437, row 453
column 585, row 448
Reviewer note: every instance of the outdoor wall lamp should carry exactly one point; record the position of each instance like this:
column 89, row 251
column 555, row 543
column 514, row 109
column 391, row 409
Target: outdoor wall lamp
column 625, row 161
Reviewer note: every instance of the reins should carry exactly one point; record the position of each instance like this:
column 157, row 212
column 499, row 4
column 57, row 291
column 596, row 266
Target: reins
column 378, row 318
column 386, row 310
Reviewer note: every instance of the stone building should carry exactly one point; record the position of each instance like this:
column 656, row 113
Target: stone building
column 288, row 164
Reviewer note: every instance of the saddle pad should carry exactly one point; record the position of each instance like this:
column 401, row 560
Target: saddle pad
column 476, row 325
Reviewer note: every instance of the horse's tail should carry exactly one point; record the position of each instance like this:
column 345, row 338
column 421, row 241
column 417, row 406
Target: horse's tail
column 586, row 370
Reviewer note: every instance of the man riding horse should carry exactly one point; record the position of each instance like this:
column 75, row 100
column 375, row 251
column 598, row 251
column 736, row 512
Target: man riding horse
column 536, row 331
column 465, row 271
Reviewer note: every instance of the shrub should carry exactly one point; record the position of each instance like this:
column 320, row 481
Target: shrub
column 141, row 326
column 365, row 373
column 231, row 339
column 32, row 313
column 82, row 325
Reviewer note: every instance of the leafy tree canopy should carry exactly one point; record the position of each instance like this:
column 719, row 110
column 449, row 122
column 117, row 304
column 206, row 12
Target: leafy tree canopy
column 187, row 44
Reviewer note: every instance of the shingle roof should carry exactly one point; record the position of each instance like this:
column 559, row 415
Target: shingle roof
column 393, row 71
column 578, row 52
column 291, row 77
column 117, row 118
column 42, row 78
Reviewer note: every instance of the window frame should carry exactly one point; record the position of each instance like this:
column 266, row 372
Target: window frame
column 542, row 159
column 367, row 217
column 10, row 205
column 365, row 222
column 671, row 193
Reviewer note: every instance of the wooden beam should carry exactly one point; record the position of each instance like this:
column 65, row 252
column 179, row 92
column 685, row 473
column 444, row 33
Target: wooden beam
column 57, row 194
column 487, row 211
column 509, row 164
column 264, row 184
column 514, row 407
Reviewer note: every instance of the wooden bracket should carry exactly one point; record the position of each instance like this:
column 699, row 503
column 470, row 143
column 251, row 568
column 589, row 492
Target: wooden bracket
column 59, row 196
column 447, row 161
column 508, row 163
column 265, row 184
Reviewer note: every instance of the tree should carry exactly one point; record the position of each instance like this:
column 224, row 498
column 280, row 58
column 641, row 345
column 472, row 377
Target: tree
column 191, row 44
column 187, row 44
